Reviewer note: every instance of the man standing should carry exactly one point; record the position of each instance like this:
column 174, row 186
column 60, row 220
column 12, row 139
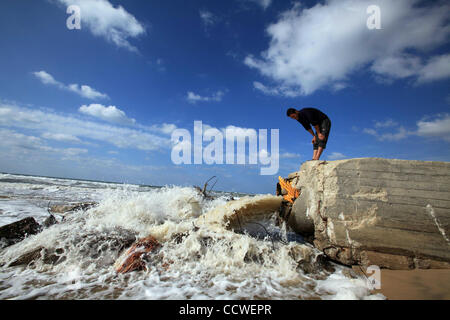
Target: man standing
column 320, row 121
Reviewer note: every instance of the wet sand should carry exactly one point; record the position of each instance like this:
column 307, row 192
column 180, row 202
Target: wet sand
column 415, row 284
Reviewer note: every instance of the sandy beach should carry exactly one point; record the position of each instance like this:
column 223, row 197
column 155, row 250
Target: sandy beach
column 415, row 284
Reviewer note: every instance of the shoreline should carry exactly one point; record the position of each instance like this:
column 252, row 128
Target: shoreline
column 416, row 284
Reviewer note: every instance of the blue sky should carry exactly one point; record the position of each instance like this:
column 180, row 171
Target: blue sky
column 102, row 102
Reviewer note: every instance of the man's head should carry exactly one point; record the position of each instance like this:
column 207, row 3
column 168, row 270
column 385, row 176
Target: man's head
column 292, row 113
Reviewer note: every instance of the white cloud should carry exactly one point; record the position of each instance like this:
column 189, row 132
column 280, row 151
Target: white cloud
column 83, row 90
column 62, row 137
column 17, row 140
column 21, row 144
column 86, row 91
column 165, row 128
column 51, row 123
column 409, row 66
column 437, row 68
column 114, row 24
column 400, row 134
column 336, row 156
column 47, row 78
column 437, row 128
column 194, row 98
column 322, row 46
column 400, row 66
column 110, row 114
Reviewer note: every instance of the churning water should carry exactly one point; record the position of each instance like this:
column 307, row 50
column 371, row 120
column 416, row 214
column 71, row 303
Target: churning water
column 210, row 248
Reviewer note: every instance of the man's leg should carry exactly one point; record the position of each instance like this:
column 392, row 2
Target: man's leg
column 322, row 144
column 315, row 147
column 318, row 153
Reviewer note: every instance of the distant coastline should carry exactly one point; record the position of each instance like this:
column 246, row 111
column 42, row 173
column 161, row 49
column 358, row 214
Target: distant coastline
column 118, row 183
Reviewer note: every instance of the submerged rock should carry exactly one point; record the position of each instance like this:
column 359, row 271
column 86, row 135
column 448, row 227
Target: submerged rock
column 17, row 231
column 390, row 213
column 98, row 248
column 49, row 256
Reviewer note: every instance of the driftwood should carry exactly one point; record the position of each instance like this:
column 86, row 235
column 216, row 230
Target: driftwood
column 133, row 257
column 203, row 191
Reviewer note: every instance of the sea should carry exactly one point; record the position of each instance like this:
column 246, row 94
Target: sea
column 259, row 260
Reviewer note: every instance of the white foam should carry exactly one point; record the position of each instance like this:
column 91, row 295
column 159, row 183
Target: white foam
column 196, row 260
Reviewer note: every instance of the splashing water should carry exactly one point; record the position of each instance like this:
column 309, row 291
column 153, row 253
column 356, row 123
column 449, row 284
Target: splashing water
column 210, row 249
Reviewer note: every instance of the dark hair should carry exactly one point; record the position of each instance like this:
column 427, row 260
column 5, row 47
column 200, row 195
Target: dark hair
column 291, row 111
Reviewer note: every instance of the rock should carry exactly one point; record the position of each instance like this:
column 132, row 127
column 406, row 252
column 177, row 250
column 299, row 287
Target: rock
column 100, row 249
column 64, row 208
column 390, row 213
column 17, row 231
column 53, row 257
column 28, row 257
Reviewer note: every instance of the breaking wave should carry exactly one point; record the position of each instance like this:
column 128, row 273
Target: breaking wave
column 219, row 248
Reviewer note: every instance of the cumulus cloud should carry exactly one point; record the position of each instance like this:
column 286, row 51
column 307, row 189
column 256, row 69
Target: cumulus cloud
column 194, row 98
column 47, row 78
column 110, row 114
column 83, row 90
column 322, row 46
column 410, row 66
column 86, row 91
column 114, row 24
column 439, row 127
column 437, row 68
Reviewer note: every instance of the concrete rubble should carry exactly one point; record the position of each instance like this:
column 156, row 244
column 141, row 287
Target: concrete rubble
column 391, row 213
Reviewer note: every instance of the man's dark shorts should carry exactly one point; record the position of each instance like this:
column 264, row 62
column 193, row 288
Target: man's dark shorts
column 325, row 128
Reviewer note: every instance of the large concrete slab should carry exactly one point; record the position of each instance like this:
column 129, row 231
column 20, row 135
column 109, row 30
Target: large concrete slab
column 392, row 213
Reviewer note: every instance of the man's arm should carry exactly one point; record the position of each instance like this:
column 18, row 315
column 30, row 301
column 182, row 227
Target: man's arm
column 319, row 134
column 314, row 136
